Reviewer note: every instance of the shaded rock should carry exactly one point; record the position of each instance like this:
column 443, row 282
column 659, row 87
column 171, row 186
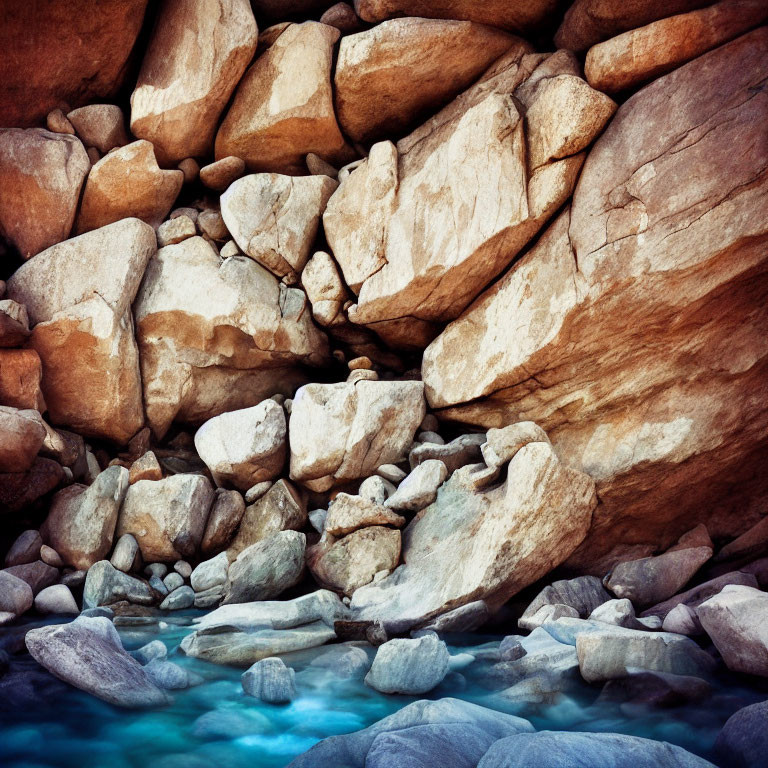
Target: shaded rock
column 465, row 618
column 221, row 173
column 244, row 447
column 419, row 489
column 81, row 523
column 225, row 516
column 167, row 675
column 179, row 599
column 392, row 76
column 265, row 569
column 216, row 336
column 409, row 666
column 343, row 17
column 183, row 568
column 128, row 183
column 461, row 451
column 104, row 584
column 100, row 125
column 154, row 650
column 547, row 613
column 15, row 594
column 14, row 324
column 38, row 575
column 56, row 121
column 274, row 219
column 20, row 377
column 195, row 58
column 751, row 544
column 51, row 557
column 744, row 739
column 26, row 549
column 325, row 289
column 271, row 681
column 347, row 513
column 19, row 489
column 366, row 424
column 621, row 613
column 147, row 467
column 343, row 660
column 210, row 573
column 271, row 124
column 683, row 620
column 173, row 581
column 376, row 489
column 167, row 517
column 56, row 599
column 655, row 689
column 46, row 172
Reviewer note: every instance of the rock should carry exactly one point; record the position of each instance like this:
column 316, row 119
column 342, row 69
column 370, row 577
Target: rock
column 376, row 489
column 584, row 594
column 167, row 517
column 558, row 749
column 419, row 489
column 735, row 619
column 464, row 450
column 215, row 337
column 210, row 573
column 230, row 724
column 270, row 680
column 437, row 60
column 83, row 329
column 743, row 741
column 38, row 575
column 196, row 56
column 147, row 467
column 348, row 513
column 56, row 122
column 56, row 599
column 489, row 545
column 654, row 689
column 158, row 585
column 175, row 231
column 545, row 614
column 255, row 492
column 317, row 519
column 152, row 651
column 274, row 219
column 751, row 544
column 167, row 675
column 465, row 618
column 20, row 489
column 280, row 509
column 244, row 447
column 76, row 580
column 81, row 523
column 607, row 654
column 325, row 289
column 46, row 171
column 20, row 378
column 652, row 579
column 125, row 183
column 26, row 549
column 409, row 666
column 349, row 563
column 51, row 557
column 621, row 613
column 156, row 569
column 100, row 125
column 183, row 568
column 220, row 174
column 366, row 424
column 646, row 416
column 82, row 657
column 15, row 594
column 173, row 581
column 226, row 513
column 343, row 17
column 14, row 324
column 391, row 473
column 414, row 267
column 104, row 584
column 179, row 599
column 271, row 124
column 683, row 620
column 266, row 569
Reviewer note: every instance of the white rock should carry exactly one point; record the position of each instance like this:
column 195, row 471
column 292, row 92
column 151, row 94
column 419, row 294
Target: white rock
column 419, row 489
column 409, row 666
column 270, row 680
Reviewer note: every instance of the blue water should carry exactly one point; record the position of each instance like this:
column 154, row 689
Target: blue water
column 216, row 724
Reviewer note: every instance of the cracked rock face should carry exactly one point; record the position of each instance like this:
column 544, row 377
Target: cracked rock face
column 214, row 337
column 448, row 207
column 634, row 330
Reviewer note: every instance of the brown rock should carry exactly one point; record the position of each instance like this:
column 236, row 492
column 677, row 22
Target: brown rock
column 222, row 173
column 14, row 323
column 20, row 375
column 275, row 120
column 633, row 331
column 21, row 436
column 639, row 55
column 343, row 17
column 41, row 174
column 226, row 513
column 76, row 52
column 175, row 230
column 25, row 549
column 347, row 513
column 57, row 122
column 145, row 468
column 195, row 58
column 190, row 168
column 391, row 77
column 101, row 126
column 20, row 489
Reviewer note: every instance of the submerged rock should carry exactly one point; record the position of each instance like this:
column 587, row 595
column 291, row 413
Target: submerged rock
column 409, row 666
column 270, row 680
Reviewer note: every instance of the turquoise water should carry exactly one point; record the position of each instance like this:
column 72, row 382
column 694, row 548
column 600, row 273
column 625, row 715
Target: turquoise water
column 215, row 724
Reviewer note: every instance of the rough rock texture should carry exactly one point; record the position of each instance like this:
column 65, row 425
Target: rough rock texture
column 275, row 119
column 395, row 74
column 16, row 595
column 14, row 324
column 449, row 207
column 128, row 182
column 244, row 447
column 21, row 372
column 217, row 336
column 409, row 666
column 584, row 594
column 41, row 174
column 83, row 328
column 274, row 219
column 419, row 489
column 347, row 513
column 633, row 331
column 73, row 52
column 225, row 516
column 365, row 424
column 100, row 125
column 105, row 585
column 472, row 545
column 21, row 437
column 325, row 289
column 270, row 680
column 26, row 549
column 196, row 56
column 744, row 739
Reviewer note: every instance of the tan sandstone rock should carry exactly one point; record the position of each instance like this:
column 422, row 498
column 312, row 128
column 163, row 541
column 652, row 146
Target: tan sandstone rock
column 126, row 183
column 195, row 58
column 325, row 289
column 220, row 174
column 419, row 229
column 395, row 74
column 14, row 323
column 348, row 513
column 21, row 373
column 100, row 125
column 277, row 118
column 83, row 327
column 634, row 330
column 21, row 437
column 41, row 174
column 217, row 336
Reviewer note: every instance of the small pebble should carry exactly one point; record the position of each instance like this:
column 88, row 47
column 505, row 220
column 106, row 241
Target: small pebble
column 58, row 122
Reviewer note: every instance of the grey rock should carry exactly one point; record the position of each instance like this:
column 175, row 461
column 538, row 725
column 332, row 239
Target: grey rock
column 743, row 742
column 344, row 660
column 74, row 579
column 460, row 452
column 56, row 599
column 102, row 612
column 38, row 575
column 51, row 557
column 584, row 593
column 124, row 553
column 465, row 618
column 167, row 675
column 409, row 666
column 209, row 598
column 173, row 581
column 255, row 492
column 230, row 724
column 376, row 489
column 183, row 568
column 545, row 614
column 155, row 649
column 642, row 687
column 178, row 600
column 104, row 584
column 270, row 680
column 683, row 620
column 210, row 573
column 26, row 549
column 158, row 585
column 15, row 594
column 620, row 613
column 511, row 649
column 156, row 569
column 317, row 518
column 391, row 472
column 419, row 489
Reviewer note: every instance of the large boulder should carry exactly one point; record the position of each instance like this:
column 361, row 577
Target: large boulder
column 413, row 246
column 598, row 333
column 409, row 666
column 216, row 336
column 78, row 295
column 81, row 522
column 395, row 74
column 470, row 545
column 272, row 124
column 196, row 55
column 365, row 424
column 167, row 517
column 743, row 742
column 21, row 373
column 22, row 433
column 74, row 52
column 46, row 172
